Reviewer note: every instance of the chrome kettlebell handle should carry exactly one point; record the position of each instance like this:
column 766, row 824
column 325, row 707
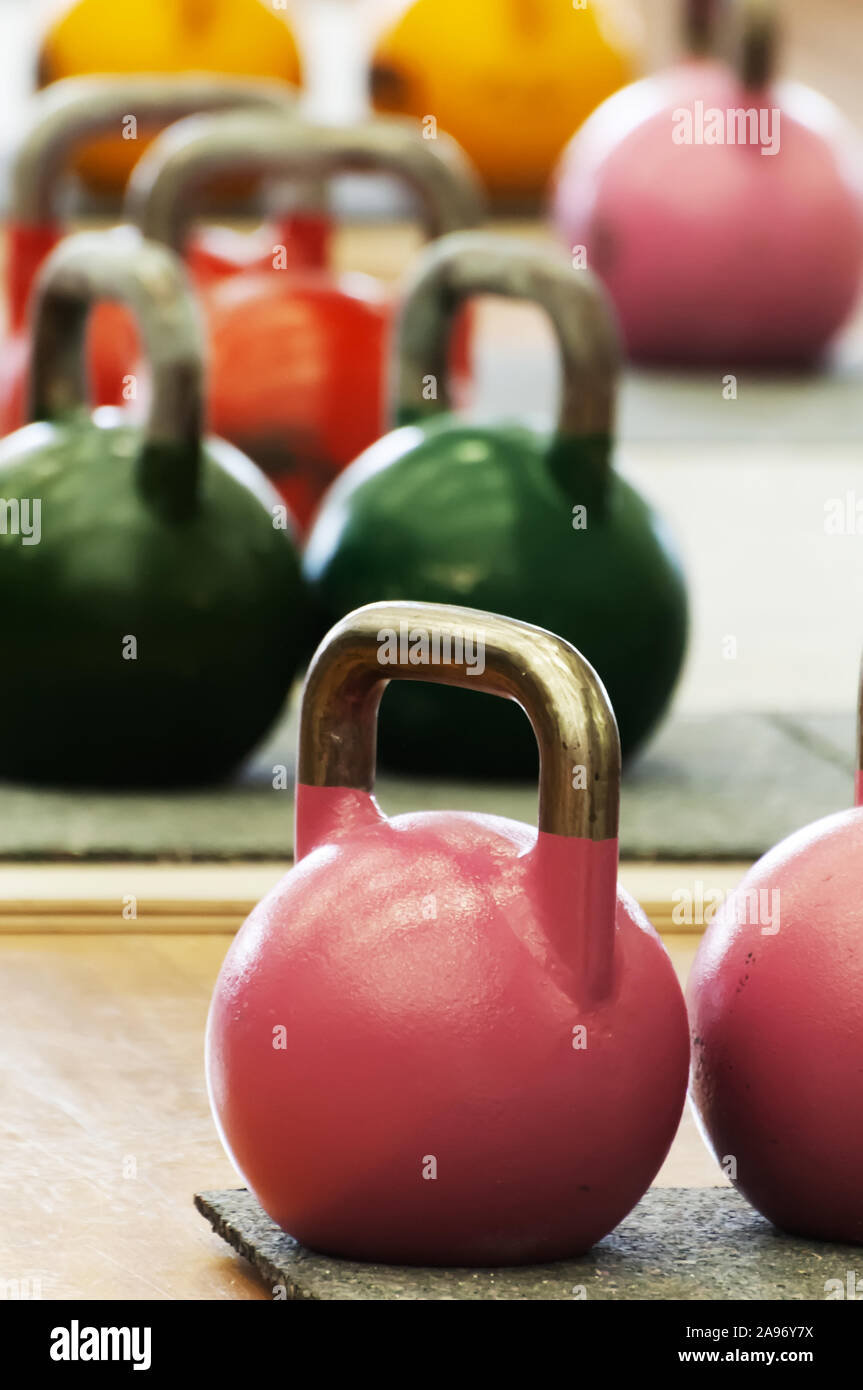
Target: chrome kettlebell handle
column 558, row 690
column 65, row 114
column 119, row 265
column 167, row 181
column 458, row 268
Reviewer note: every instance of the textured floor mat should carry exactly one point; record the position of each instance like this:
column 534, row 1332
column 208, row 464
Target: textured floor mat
column 707, row 788
column 678, row 1243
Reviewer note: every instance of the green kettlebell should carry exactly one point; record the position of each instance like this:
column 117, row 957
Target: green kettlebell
column 153, row 607
column 533, row 526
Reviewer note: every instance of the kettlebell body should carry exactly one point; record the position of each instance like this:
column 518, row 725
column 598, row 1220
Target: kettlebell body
column 216, row 254
column 538, row 526
column 154, row 624
column 298, row 354
column 445, row 1038
column 450, row 1040
column 283, row 351
column 777, row 1032
column 213, row 607
column 239, row 37
column 699, row 241
column 509, row 79
column 450, row 510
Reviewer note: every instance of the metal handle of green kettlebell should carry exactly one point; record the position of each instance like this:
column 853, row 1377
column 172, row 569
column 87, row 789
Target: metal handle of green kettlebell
column 167, row 181
column 759, row 43
column 558, row 690
column 120, row 265
column 467, row 264
column 75, row 109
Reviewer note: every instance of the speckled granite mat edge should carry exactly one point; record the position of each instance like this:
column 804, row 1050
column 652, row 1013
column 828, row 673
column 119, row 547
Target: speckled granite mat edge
column 686, row 1244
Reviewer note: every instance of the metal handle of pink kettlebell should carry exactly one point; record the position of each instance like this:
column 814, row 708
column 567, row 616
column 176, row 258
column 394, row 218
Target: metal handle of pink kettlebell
column 759, row 43
column 558, row 690
column 167, row 181
column 702, row 22
column 68, row 112
column 460, row 267
column 151, row 280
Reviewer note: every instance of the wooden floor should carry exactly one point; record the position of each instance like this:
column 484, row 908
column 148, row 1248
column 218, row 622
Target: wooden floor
column 106, row 1124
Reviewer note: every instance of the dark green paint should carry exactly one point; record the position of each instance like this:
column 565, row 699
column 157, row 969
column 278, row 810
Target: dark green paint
column 449, row 512
column 213, row 599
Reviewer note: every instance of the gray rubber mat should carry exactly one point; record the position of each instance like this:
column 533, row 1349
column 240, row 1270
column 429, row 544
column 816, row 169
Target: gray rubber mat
column 708, row 787
column 678, row 1243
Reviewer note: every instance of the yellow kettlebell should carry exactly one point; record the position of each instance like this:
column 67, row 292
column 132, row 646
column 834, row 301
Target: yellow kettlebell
column 247, row 38
column 511, row 80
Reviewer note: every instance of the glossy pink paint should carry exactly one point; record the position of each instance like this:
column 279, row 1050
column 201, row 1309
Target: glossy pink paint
column 435, row 1100
column 717, row 253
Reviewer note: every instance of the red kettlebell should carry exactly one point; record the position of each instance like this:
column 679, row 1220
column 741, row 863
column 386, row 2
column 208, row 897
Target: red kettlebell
column 776, row 1014
column 448, row 1038
column 297, row 357
column 700, row 193
column 63, row 117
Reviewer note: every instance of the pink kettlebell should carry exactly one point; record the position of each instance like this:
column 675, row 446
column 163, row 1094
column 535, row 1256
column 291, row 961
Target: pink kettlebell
column 449, row 1038
column 724, row 212
column 776, row 1013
